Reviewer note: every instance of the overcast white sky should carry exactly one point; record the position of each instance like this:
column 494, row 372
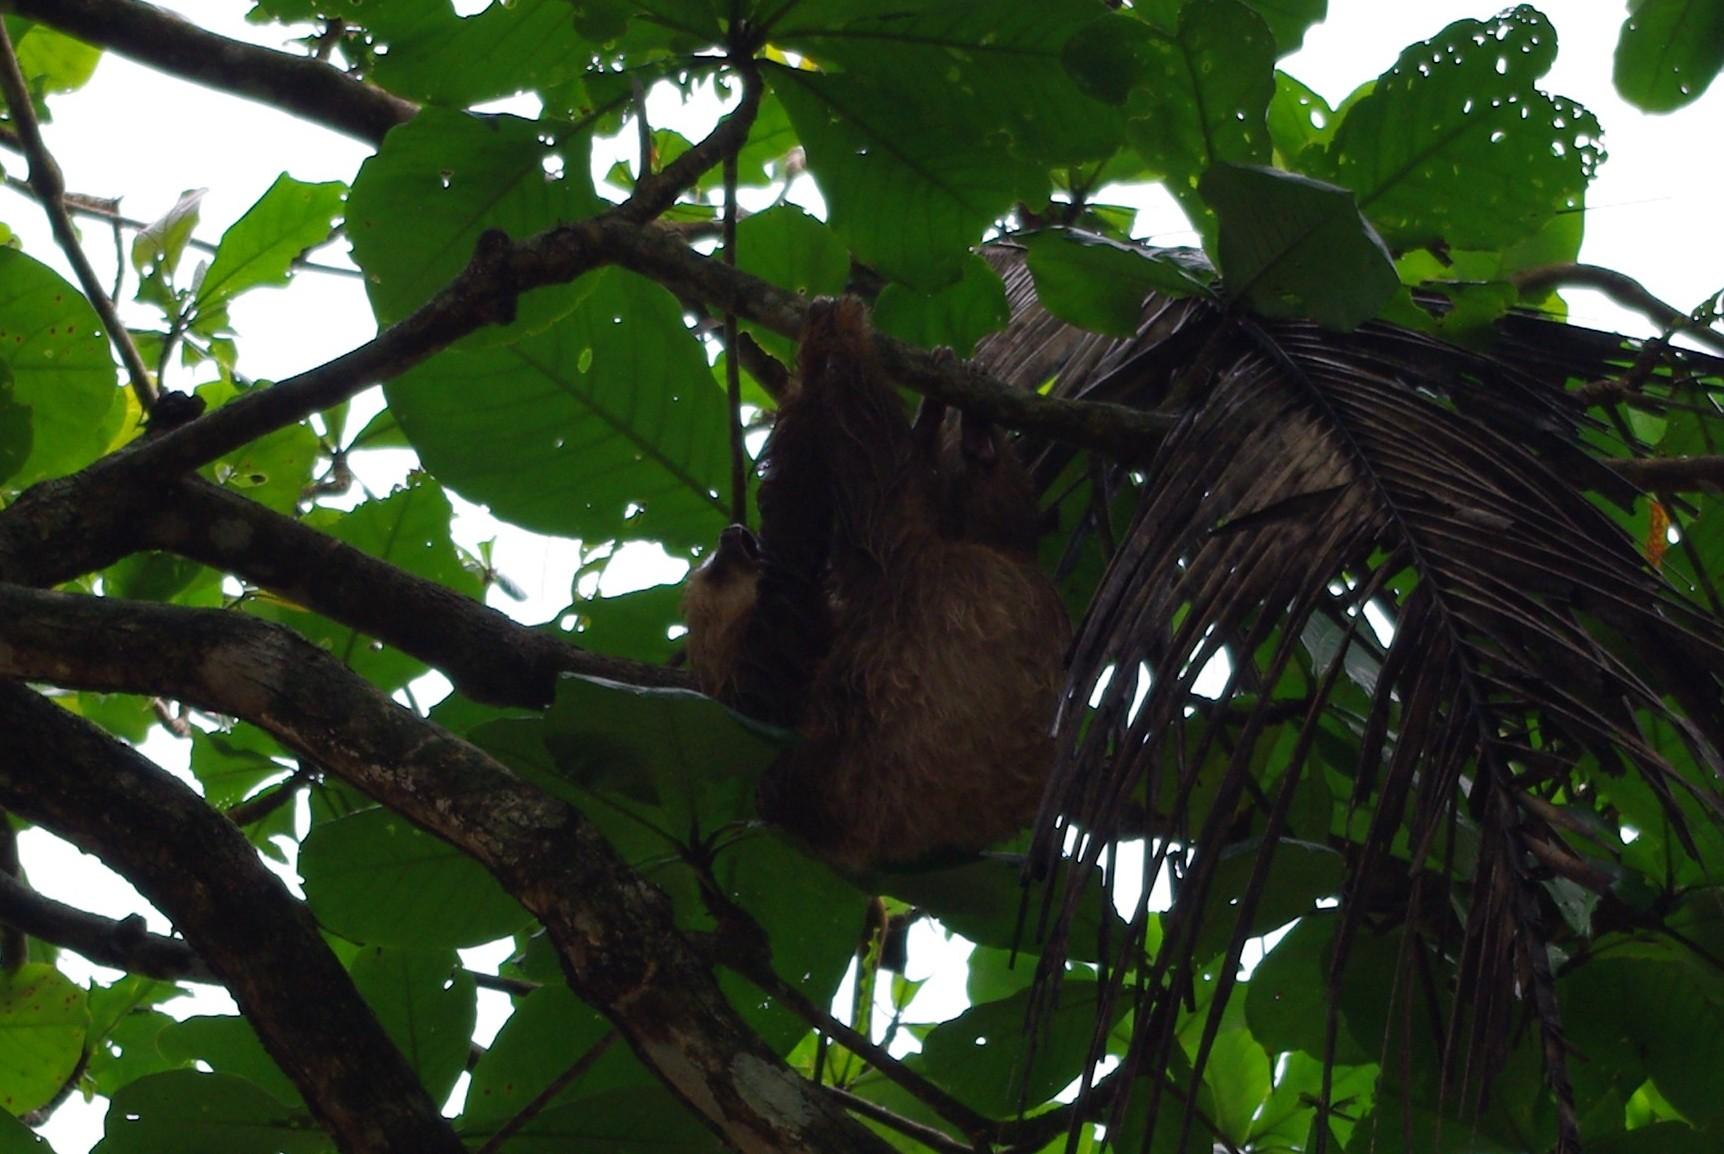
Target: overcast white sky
column 1652, row 213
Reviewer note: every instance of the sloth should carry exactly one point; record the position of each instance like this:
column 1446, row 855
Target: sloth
column 890, row 612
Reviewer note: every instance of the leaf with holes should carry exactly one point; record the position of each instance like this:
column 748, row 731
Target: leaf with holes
column 1455, row 145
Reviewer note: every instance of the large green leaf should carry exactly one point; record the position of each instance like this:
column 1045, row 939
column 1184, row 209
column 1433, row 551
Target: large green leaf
column 642, row 28
column 1298, row 118
column 193, row 1113
column 227, row 1044
column 444, row 59
column 43, row 1021
column 1669, row 52
column 230, row 764
column 427, row 1004
column 630, row 1120
column 128, row 1050
column 1205, row 94
column 374, row 878
column 955, row 316
column 1291, row 246
column 1285, row 1003
column 418, row 206
column 52, row 342
column 52, row 61
column 698, row 760
column 1643, row 1008
column 909, row 199
column 1287, row 19
column 1237, row 1074
column 549, row 1029
column 607, row 425
column 793, row 250
column 979, row 1055
column 927, row 123
column 813, row 927
column 16, row 428
column 1300, row 875
column 261, row 246
column 17, row 1138
column 1456, row 146
column 635, row 625
column 1100, row 284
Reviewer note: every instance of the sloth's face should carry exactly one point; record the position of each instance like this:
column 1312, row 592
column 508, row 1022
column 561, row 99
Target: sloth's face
column 716, row 603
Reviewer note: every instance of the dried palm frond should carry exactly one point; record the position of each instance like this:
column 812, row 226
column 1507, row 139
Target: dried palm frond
column 1383, row 537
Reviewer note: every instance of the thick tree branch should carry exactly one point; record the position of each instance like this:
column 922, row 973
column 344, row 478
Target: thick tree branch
column 68, row 527
column 615, row 933
column 1672, row 474
column 485, row 293
column 488, row 656
column 1117, row 430
column 123, row 944
column 486, row 290
column 196, row 867
column 309, row 89
column 50, row 188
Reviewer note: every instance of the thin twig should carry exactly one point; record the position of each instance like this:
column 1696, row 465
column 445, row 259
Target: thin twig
column 971, row 1122
column 732, row 363
column 255, row 809
column 643, row 127
column 1621, row 288
column 515, row 987
column 927, row 1135
column 655, row 192
column 544, row 1097
column 50, row 189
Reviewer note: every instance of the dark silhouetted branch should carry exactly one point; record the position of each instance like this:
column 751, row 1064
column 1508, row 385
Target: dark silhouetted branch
column 1672, row 474
column 488, row 656
column 307, row 88
column 1621, row 288
column 122, row 944
column 192, row 864
column 616, row 934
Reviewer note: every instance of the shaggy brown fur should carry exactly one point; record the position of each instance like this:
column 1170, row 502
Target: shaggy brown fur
column 891, row 612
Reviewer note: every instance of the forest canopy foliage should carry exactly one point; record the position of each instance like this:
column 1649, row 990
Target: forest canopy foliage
column 1451, row 561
